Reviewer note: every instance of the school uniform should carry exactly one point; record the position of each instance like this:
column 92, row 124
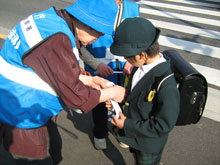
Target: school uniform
column 141, row 132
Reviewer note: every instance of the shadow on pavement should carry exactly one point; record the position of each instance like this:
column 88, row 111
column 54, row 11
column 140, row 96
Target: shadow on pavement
column 84, row 123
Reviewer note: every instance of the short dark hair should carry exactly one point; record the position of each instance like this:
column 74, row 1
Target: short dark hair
column 153, row 50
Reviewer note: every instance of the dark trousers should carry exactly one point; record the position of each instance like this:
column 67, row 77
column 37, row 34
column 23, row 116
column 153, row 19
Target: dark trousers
column 100, row 119
column 142, row 158
column 55, row 142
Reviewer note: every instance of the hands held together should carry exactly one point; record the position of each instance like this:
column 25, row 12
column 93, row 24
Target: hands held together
column 118, row 94
column 108, row 91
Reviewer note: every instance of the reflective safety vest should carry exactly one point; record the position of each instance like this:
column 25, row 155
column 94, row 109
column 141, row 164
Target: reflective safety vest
column 101, row 48
column 26, row 101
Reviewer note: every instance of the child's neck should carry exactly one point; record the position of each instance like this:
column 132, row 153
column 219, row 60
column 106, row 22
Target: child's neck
column 151, row 60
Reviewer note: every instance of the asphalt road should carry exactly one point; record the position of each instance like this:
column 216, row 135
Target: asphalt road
column 197, row 144
column 189, row 145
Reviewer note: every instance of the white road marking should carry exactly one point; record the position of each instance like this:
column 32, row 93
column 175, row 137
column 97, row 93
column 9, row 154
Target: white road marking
column 212, row 107
column 189, row 2
column 193, row 47
column 186, row 29
column 182, row 17
column 181, row 8
column 212, row 75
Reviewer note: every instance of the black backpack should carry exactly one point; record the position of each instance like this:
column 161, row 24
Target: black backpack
column 192, row 86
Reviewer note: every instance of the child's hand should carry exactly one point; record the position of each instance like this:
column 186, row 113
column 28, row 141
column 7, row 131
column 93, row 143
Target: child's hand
column 119, row 122
column 108, row 105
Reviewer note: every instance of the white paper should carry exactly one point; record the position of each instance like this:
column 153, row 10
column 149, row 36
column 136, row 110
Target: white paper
column 108, row 84
column 116, row 107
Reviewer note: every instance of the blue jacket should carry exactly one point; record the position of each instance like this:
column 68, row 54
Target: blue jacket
column 100, row 49
column 26, row 101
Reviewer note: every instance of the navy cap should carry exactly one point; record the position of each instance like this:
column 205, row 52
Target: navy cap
column 133, row 36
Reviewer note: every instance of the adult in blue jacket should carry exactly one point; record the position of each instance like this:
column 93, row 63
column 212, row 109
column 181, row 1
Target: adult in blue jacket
column 111, row 67
column 40, row 73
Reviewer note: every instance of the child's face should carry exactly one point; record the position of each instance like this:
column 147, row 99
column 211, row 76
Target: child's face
column 137, row 60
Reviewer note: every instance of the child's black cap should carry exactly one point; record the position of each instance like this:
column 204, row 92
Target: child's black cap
column 133, row 36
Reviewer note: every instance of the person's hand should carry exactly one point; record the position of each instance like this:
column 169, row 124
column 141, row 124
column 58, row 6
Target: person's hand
column 119, row 93
column 104, row 70
column 119, row 122
column 108, row 105
column 100, row 83
column 127, row 69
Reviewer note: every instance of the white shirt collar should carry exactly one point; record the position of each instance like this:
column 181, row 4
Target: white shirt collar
column 144, row 69
column 148, row 67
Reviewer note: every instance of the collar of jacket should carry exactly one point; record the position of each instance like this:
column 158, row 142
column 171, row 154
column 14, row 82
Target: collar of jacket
column 148, row 79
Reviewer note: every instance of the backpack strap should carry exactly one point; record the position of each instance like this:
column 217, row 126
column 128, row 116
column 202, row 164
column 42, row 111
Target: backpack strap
column 168, row 76
column 159, row 80
column 156, row 85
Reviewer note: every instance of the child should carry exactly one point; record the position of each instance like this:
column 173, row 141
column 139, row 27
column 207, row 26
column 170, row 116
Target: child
column 146, row 121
